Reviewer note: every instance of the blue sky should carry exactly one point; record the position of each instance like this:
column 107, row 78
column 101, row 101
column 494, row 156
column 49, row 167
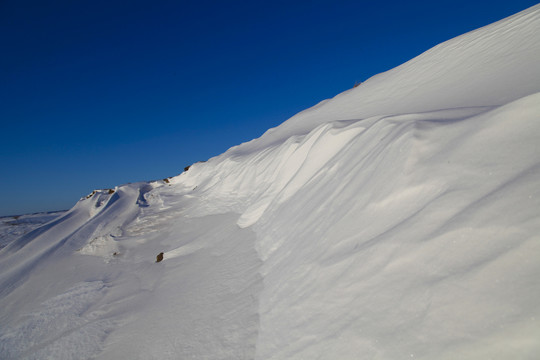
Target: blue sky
column 94, row 94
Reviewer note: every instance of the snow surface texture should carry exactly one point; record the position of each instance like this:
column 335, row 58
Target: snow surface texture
column 12, row 227
column 398, row 220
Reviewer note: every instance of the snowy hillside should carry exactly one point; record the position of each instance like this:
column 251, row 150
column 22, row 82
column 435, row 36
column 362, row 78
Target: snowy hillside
column 398, row 220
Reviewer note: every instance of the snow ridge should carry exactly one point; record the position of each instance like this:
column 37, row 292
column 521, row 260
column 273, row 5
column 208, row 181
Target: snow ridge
column 396, row 220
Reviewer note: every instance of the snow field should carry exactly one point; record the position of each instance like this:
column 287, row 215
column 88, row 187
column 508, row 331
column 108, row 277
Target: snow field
column 396, row 220
column 12, row 227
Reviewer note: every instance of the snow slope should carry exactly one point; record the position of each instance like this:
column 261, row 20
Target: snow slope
column 397, row 220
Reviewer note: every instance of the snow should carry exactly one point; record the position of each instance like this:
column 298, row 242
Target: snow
column 490, row 66
column 396, row 220
column 12, row 227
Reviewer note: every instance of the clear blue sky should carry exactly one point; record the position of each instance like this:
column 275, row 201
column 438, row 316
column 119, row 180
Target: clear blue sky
column 96, row 93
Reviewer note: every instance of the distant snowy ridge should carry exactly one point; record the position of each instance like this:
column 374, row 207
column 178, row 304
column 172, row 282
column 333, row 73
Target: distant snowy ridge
column 399, row 219
column 12, row 227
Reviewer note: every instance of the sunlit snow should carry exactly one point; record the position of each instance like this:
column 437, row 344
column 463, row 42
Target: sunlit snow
column 398, row 220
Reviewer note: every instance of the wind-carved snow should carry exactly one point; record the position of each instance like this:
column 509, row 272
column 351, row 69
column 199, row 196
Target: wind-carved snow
column 490, row 66
column 396, row 220
column 303, row 161
column 104, row 245
column 429, row 237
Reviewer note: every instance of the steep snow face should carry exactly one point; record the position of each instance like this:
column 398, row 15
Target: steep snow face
column 397, row 220
column 431, row 255
column 490, row 66
column 412, row 235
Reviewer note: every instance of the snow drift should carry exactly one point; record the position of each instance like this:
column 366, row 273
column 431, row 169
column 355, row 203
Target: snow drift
column 397, row 220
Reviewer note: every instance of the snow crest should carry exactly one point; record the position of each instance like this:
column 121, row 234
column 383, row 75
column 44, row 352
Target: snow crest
column 396, row 220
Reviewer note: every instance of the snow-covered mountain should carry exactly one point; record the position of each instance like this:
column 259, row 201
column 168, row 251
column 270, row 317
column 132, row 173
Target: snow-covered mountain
column 398, row 220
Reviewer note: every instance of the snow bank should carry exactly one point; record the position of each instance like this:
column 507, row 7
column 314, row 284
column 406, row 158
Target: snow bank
column 432, row 255
column 397, row 220
column 490, row 66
